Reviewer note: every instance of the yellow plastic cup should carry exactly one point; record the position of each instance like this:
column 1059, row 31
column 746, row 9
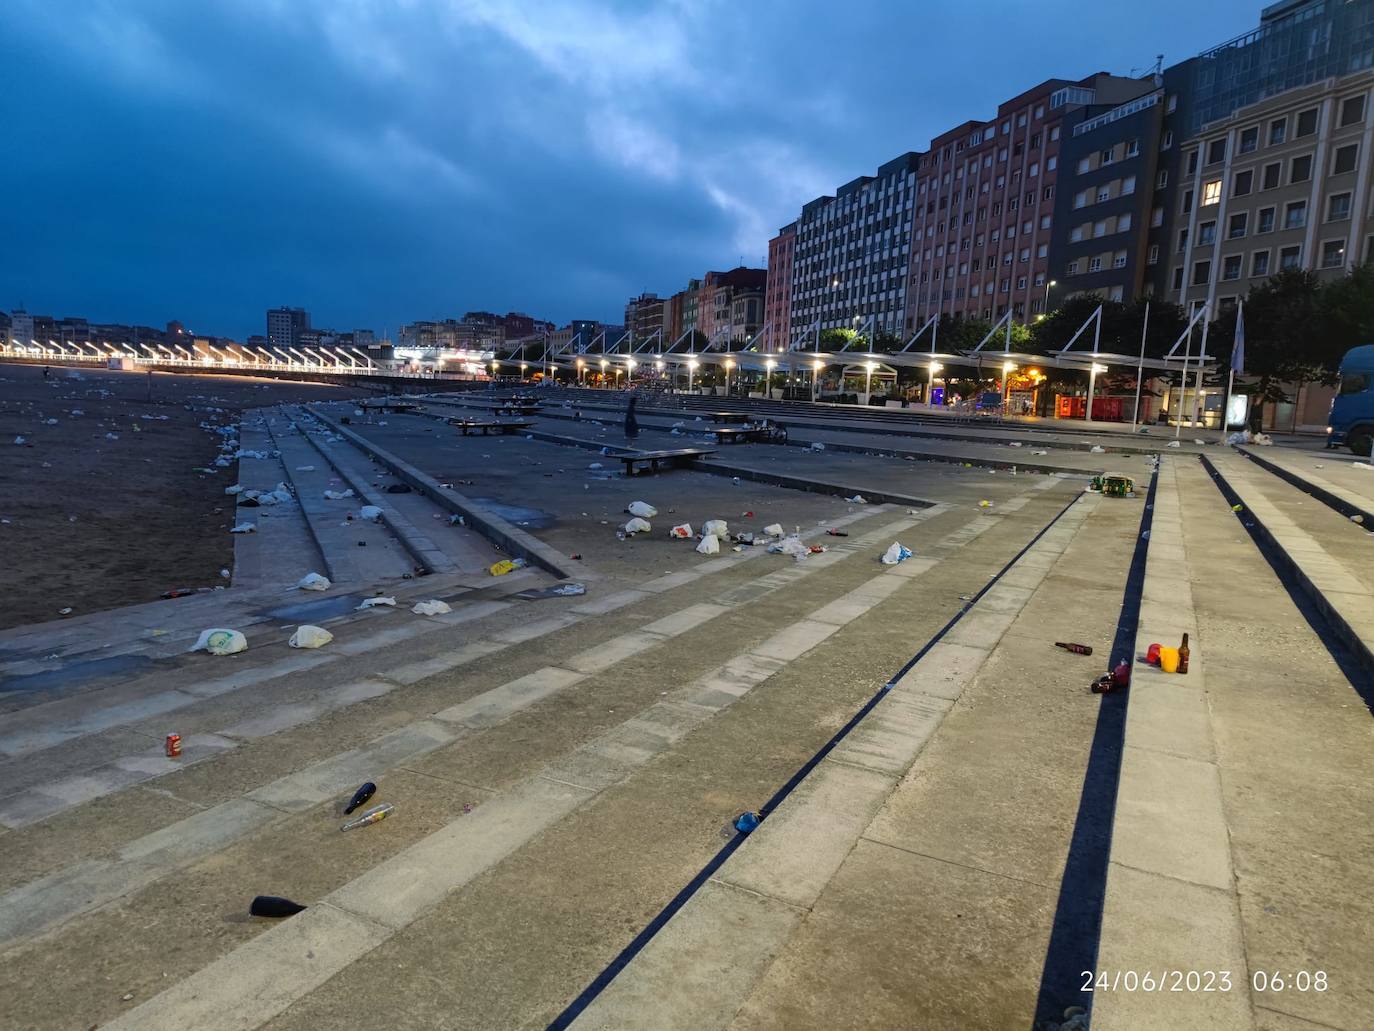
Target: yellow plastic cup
column 1168, row 660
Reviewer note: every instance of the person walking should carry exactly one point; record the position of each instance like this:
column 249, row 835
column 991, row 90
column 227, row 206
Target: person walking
column 631, row 423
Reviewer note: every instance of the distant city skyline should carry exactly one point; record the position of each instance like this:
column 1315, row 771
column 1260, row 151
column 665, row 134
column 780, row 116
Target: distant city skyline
column 208, row 163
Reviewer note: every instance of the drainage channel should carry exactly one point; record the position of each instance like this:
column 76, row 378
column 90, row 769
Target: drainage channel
column 613, row 970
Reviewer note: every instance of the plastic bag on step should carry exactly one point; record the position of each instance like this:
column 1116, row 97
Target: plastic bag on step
column 433, row 607
column 370, row 512
column 308, row 636
column 773, row 529
column 710, row 545
column 642, row 509
column 338, row 495
column 372, row 603
column 715, row 528
column 219, row 641
column 896, row 553
column 682, row 532
column 314, row 582
column 637, row 525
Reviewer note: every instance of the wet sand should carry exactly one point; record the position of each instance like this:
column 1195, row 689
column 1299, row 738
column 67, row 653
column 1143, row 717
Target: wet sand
column 94, row 522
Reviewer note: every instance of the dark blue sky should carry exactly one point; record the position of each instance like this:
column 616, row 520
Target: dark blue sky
column 378, row 162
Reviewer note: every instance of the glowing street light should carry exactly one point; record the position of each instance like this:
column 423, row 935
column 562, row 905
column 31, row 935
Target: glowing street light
column 868, row 379
column 817, row 367
column 729, row 364
column 930, row 391
column 691, row 372
column 581, row 367
column 1092, row 386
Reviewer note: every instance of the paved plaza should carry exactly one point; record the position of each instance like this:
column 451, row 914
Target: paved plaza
column 953, row 830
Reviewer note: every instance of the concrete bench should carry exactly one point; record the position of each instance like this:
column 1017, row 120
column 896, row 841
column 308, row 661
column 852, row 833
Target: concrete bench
column 470, row 426
column 654, row 459
column 734, row 434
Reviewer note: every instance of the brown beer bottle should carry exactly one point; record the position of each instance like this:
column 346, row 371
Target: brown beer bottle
column 1183, row 655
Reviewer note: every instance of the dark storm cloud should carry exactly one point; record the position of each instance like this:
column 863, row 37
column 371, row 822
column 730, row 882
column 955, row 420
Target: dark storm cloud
column 380, row 162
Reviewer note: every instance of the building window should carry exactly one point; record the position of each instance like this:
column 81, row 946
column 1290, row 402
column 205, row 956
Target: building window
column 1115, row 293
column 1128, row 185
column 1307, row 123
column 1290, row 258
column 1047, row 193
column 1044, row 221
column 1187, row 201
column 1094, row 264
column 1192, row 162
column 1278, row 131
column 1352, row 111
column 1230, row 268
column 1039, row 110
column 1338, row 207
column 1206, row 234
column 1051, row 163
column 1132, row 148
column 1182, row 240
column 1295, row 214
column 1071, row 269
column 1236, row 229
column 1123, row 222
column 1242, row 183
column 1211, row 192
column 1172, row 105
column 1216, row 151
column 1167, row 141
column 1152, row 257
column 1271, row 176
column 1119, row 259
column 1178, row 278
column 1259, row 263
column 1202, row 271
column 1042, row 251
column 1020, row 282
column 1344, row 160
column 1162, row 180
column 1300, row 171
column 1054, row 133
column 1249, row 139
column 1266, row 221
column 1333, row 253
column 1157, row 217
column 1104, row 193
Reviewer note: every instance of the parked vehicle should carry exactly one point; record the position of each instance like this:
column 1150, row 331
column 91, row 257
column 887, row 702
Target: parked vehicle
column 1351, row 422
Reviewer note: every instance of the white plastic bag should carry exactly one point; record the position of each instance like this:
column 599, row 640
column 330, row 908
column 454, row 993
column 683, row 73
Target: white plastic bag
column 641, row 509
column 715, row 528
column 307, row 636
column 710, row 545
column 434, row 607
column 896, row 553
column 370, row 512
column 372, row 603
column 314, row 582
column 682, row 531
column 857, row 499
column 773, row 529
column 245, row 528
column 219, row 641
column 637, row 525
column 338, row 495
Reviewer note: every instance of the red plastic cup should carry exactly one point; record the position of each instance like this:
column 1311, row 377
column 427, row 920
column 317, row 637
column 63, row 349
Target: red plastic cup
column 1152, row 656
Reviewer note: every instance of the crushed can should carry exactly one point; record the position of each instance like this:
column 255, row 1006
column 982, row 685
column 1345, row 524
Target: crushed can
column 173, row 746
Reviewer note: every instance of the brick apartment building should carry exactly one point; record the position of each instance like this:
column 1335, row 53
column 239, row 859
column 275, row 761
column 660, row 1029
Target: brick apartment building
column 777, row 307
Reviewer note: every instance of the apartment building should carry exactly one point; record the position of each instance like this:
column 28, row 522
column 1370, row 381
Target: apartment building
column 986, row 194
column 644, row 316
column 715, row 313
column 1281, row 184
column 852, row 252
column 777, row 308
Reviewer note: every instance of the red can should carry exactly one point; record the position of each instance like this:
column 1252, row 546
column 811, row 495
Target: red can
column 173, row 746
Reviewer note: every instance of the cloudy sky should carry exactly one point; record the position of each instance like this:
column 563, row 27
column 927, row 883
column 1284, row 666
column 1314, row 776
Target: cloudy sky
column 378, row 161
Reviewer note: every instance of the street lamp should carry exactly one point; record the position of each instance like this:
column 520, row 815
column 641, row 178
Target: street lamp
column 868, row 379
column 630, row 364
column 930, row 391
column 580, row 366
column 1007, row 369
column 523, row 367
column 816, row 368
column 729, row 364
column 1048, row 284
column 768, row 377
column 691, row 373
column 1092, row 385
column 604, row 363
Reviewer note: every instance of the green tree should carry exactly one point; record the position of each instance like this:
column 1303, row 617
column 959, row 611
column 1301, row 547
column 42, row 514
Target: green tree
column 1287, row 335
column 1348, row 311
